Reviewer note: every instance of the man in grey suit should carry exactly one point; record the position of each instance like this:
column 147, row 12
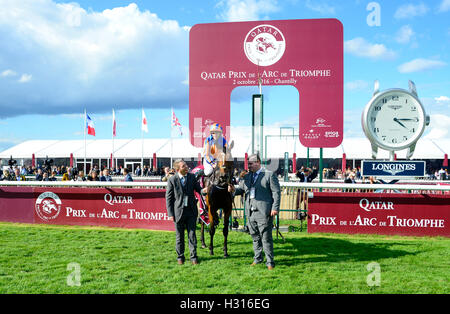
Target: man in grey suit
column 261, row 190
column 182, row 208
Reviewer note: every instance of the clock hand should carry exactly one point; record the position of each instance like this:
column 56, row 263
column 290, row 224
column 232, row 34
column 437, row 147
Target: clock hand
column 396, row 120
column 415, row 119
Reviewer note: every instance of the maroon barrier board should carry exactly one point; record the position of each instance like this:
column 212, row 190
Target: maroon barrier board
column 111, row 207
column 380, row 213
column 16, row 204
column 306, row 54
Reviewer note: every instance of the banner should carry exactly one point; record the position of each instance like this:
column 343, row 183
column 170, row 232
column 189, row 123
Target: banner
column 392, row 169
column 111, row 207
column 378, row 213
column 306, row 54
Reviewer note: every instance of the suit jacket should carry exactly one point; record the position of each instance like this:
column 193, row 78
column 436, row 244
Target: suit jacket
column 311, row 176
column 175, row 193
column 267, row 194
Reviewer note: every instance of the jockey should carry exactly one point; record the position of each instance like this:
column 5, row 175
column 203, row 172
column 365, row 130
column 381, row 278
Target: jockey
column 213, row 146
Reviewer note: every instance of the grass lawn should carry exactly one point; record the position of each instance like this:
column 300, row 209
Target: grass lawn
column 35, row 259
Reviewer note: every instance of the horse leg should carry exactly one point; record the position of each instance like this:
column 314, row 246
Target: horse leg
column 202, row 235
column 226, row 225
column 212, row 230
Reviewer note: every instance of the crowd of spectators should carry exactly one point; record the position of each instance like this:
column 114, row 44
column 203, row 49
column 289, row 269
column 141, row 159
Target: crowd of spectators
column 66, row 173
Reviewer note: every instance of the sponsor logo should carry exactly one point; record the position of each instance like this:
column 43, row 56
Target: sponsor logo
column 331, row 134
column 48, row 206
column 394, row 168
column 117, row 199
column 368, row 206
column 264, row 45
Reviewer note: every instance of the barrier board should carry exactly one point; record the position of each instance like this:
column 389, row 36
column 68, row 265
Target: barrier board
column 111, row 207
column 380, row 213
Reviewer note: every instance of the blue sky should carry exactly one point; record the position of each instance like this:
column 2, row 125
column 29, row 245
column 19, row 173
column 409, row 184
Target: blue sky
column 59, row 57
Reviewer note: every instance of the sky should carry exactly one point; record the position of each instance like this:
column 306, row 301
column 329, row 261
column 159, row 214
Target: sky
column 58, row 58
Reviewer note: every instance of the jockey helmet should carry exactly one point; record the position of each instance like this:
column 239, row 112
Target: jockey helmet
column 216, row 127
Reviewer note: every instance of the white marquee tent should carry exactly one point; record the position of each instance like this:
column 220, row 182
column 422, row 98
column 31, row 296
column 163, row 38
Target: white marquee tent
column 354, row 148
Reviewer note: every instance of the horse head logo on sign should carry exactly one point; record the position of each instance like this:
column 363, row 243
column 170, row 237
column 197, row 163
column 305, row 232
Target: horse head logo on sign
column 307, row 54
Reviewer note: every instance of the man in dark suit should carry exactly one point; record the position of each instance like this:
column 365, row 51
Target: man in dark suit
column 127, row 175
column 182, row 208
column 262, row 194
column 307, row 175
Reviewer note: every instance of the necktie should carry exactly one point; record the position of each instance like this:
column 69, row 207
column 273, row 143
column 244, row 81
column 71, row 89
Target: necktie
column 255, row 175
column 183, row 180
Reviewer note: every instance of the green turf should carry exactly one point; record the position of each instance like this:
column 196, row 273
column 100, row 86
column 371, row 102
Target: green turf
column 35, row 259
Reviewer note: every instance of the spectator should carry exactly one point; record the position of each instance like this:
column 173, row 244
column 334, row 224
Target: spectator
column 307, row 175
column 138, row 171
column 441, row 174
column 350, row 178
column 18, row 176
column 106, row 177
column 169, row 173
column 93, row 176
column 53, row 176
column 127, row 174
column 45, row 176
column 80, row 176
column 39, row 175
column 65, row 177
column 6, row 175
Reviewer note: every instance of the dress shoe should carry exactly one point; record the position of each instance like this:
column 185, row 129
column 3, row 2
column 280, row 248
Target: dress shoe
column 195, row 262
column 180, row 262
column 270, row 267
column 255, row 263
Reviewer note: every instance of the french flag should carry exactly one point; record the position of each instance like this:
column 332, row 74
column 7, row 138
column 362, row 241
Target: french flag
column 90, row 125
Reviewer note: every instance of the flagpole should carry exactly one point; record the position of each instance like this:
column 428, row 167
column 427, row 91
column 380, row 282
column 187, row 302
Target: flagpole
column 112, row 153
column 142, row 135
column 84, row 168
column 171, row 140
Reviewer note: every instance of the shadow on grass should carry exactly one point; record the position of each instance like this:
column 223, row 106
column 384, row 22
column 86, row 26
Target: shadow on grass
column 318, row 249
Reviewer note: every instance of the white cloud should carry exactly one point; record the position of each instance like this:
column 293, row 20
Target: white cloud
column 438, row 127
column 420, row 64
column 322, row 8
column 7, row 73
column 442, row 99
column 405, row 34
column 356, row 85
column 361, row 48
column 408, row 11
column 246, row 10
column 25, row 78
column 121, row 58
column 444, row 6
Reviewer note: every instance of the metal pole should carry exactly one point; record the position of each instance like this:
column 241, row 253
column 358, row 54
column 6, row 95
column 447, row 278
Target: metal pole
column 307, row 157
column 321, row 166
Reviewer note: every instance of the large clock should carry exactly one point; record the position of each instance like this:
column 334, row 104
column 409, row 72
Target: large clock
column 394, row 120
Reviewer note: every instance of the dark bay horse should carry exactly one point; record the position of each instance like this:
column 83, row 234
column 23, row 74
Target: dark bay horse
column 218, row 197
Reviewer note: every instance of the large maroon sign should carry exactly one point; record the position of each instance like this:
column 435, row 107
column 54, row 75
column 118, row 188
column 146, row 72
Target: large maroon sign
column 112, row 207
column 380, row 213
column 307, row 54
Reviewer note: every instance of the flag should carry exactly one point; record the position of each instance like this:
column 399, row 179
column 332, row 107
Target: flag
column 90, row 125
column 176, row 123
column 114, row 123
column 144, row 126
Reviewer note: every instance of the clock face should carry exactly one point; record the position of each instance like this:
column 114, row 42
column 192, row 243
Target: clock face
column 395, row 119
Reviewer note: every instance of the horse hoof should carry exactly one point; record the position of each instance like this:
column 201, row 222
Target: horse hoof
column 203, row 246
column 226, row 256
column 211, row 253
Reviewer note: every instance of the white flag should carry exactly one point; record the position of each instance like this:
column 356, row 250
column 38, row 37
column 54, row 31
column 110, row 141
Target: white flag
column 144, row 126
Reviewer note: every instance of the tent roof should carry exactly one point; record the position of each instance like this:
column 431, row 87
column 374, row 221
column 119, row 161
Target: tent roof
column 354, row 148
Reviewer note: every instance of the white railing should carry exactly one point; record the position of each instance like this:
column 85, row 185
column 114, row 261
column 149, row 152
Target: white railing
column 296, row 185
